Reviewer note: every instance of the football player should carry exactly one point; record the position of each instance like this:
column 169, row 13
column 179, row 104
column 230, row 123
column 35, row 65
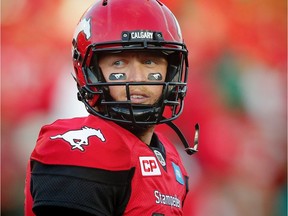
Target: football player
column 131, row 70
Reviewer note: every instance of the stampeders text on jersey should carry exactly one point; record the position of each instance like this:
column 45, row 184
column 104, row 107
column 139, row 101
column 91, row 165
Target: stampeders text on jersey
column 165, row 199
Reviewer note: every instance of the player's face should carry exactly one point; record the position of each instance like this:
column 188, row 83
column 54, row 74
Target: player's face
column 135, row 67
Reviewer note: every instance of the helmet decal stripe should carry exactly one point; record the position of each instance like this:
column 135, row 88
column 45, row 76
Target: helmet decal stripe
column 85, row 27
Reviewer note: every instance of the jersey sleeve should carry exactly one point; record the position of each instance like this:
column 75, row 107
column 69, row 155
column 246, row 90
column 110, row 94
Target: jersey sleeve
column 73, row 189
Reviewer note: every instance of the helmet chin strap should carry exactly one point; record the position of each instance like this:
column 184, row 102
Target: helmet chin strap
column 189, row 150
column 139, row 129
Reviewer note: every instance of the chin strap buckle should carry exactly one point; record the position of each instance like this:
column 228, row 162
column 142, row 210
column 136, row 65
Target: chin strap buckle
column 194, row 149
column 189, row 150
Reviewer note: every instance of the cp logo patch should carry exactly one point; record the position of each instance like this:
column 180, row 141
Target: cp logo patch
column 149, row 166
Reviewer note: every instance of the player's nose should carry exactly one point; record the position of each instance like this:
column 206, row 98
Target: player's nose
column 136, row 72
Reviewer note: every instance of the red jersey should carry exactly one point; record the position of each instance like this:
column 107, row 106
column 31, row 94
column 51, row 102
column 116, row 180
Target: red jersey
column 90, row 165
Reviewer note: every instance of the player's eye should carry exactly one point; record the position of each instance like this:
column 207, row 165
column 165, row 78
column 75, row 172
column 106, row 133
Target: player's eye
column 149, row 62
column 118, row 63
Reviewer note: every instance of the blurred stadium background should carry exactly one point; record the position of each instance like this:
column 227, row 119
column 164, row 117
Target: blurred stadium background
column 237, row 92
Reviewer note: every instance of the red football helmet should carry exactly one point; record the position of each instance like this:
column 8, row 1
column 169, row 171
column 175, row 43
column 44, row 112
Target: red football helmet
column 121, row 25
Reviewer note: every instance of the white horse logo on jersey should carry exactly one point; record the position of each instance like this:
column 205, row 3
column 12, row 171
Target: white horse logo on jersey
column 78, row 138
